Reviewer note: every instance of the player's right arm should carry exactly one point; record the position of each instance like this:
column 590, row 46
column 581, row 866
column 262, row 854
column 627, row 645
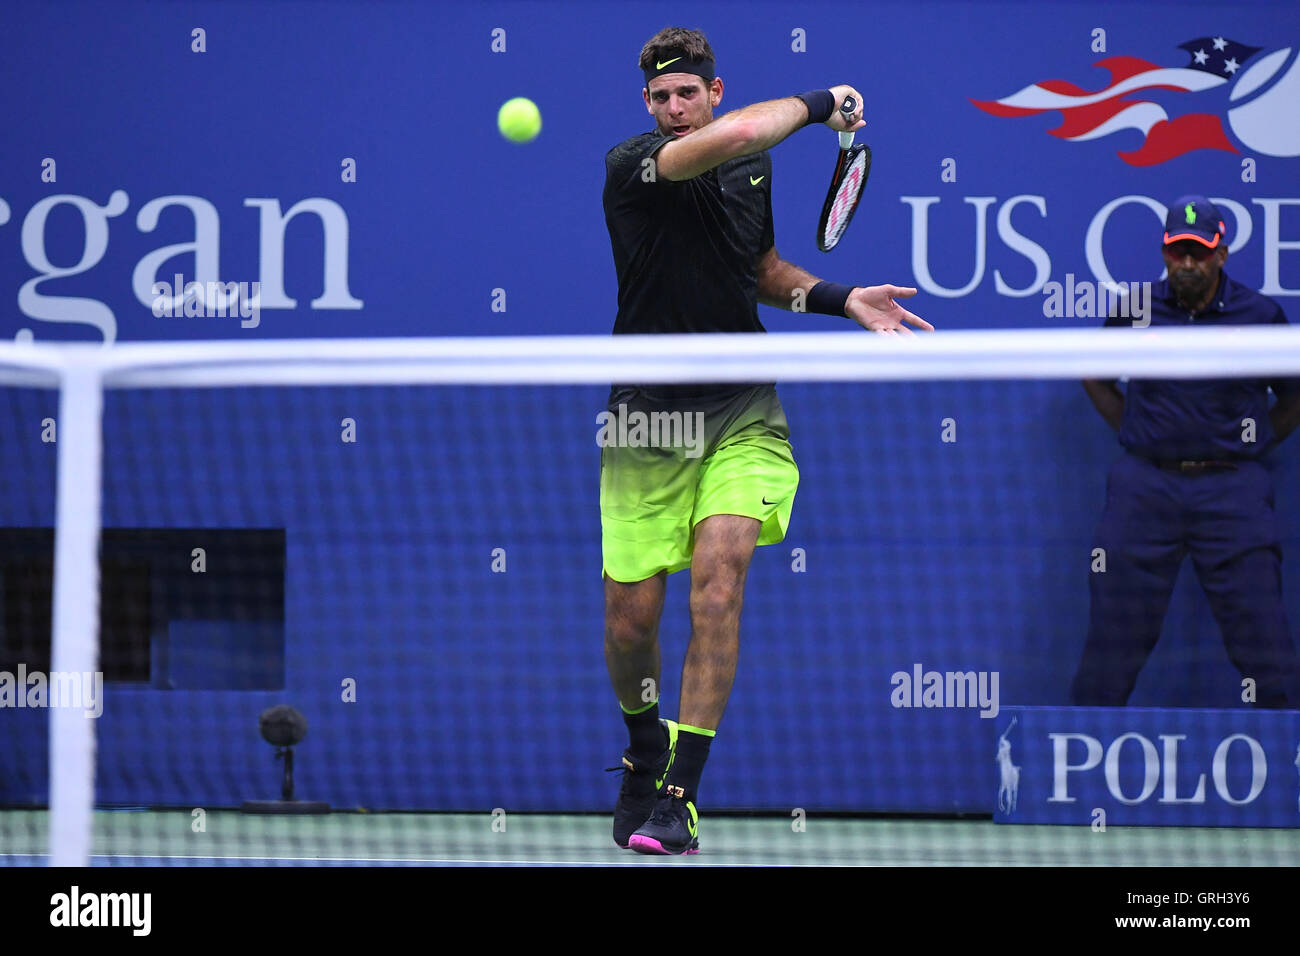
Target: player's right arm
column 745, row 131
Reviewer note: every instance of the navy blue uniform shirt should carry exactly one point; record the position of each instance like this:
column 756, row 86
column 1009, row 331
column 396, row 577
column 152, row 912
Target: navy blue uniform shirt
column 1200, row 419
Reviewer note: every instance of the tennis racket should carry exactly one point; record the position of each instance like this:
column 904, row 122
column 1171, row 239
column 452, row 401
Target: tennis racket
column 852, row 166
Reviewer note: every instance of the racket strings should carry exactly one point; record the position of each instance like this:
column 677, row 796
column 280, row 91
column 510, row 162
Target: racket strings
column 846, row 199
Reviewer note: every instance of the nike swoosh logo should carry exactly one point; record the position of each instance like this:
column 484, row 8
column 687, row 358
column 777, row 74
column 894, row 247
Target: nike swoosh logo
column 766, row 502
column 755, row 182
column 660, row 66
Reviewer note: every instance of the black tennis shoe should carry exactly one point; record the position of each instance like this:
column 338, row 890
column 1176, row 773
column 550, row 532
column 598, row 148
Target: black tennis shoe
column 673, row 827
column 642, row 781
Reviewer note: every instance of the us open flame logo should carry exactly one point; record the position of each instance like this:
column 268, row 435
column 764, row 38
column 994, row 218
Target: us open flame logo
column 1260, row 102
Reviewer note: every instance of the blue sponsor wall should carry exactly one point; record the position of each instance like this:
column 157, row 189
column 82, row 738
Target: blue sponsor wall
column 1140, row 766
column 477, row 689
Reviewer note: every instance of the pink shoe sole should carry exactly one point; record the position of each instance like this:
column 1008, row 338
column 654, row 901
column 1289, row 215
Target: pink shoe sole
column 644, row 844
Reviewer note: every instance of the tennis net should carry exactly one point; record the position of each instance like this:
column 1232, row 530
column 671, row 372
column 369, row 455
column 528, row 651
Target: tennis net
column 400, row 540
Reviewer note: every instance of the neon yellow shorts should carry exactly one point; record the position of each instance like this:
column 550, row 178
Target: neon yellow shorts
column 660, row 477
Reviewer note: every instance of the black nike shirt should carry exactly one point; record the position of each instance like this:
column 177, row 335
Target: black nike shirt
column 686, row 252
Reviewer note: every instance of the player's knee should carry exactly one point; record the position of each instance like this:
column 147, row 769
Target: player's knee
column 631, row 624
column 716, row 598
column 629, row 636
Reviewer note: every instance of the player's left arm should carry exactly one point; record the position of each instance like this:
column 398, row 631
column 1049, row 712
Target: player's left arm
column 782, row 284
column 785, row 285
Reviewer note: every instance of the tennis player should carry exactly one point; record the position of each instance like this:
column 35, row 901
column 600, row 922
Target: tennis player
column 689, row 211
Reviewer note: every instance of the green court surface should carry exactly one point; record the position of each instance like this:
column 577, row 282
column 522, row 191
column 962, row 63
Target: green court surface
column 169, row 838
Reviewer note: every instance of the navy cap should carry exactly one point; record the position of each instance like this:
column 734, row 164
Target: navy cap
column 1194, row 217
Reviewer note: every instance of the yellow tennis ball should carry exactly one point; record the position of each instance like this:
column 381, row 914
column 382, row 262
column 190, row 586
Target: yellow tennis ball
column 519, row 120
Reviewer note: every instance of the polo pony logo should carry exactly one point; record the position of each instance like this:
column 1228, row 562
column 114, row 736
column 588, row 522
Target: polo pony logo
column 1010, row 786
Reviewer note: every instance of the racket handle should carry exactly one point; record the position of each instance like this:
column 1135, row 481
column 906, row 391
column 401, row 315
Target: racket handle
column 847, row 108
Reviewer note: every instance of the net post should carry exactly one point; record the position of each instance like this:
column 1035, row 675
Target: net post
column 75, row 637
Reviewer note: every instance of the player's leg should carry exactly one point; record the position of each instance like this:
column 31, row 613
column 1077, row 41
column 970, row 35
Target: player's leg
column 646, row 500
column 1237, row 551
column 746, row 492
column 632, row 613
column 724, row 545
column 1131, row 580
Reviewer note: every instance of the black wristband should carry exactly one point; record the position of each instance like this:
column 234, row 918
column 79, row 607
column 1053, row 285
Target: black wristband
column 820, row 103
column 829, row 298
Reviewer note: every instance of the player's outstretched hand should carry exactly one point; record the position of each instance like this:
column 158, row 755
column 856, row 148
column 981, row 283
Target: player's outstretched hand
column 873, row 307
column 836, row 122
